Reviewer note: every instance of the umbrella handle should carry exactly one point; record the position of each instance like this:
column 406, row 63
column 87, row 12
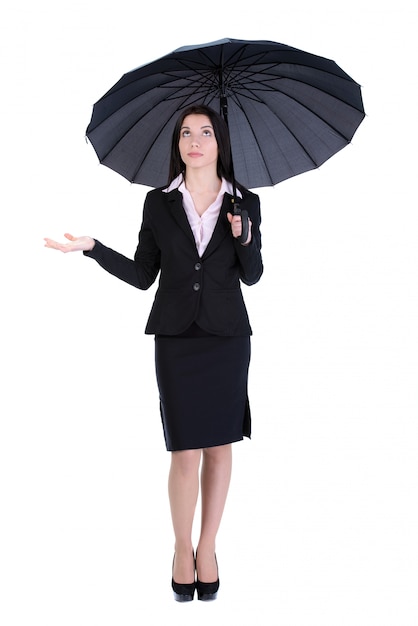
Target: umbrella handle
column 244, row 223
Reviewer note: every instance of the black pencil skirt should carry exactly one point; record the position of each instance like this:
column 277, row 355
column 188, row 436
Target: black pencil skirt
column 202, row 381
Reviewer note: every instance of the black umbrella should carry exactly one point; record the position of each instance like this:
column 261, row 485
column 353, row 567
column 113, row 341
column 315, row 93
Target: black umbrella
column 288, row 111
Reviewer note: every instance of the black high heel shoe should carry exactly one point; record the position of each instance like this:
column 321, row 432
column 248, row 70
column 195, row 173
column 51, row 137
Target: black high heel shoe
column 183, row 592
column 207, row 591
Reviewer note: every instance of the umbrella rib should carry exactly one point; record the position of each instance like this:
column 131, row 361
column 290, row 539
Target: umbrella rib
column 246, row 89
column 245, row 83
column 256, row 141
column 259, row 56
column 238, row 102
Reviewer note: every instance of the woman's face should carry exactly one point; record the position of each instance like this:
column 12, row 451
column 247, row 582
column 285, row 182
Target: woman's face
column 197, row 144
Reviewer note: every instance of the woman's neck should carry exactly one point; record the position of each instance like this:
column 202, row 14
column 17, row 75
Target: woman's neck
column 202, row 182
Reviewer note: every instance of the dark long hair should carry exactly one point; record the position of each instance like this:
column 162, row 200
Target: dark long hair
column 224, row 165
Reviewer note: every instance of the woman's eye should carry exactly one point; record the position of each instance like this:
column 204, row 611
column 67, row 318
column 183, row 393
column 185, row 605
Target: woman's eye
column 205, row 133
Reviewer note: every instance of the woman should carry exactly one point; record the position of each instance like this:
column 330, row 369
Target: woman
column 191, row 237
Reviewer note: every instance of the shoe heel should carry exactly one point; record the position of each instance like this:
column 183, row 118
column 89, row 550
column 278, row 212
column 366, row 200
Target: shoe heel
column 183, row 593
column 207, row 591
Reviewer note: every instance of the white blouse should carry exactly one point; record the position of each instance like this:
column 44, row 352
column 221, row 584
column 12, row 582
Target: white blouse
column 202, row 225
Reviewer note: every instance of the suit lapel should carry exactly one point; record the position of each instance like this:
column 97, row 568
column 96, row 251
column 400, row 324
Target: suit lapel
column 175, row 200
column 222, row 227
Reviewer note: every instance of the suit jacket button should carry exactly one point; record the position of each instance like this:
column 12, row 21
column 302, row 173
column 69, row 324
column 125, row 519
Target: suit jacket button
column 196, row 286
column 198, row 266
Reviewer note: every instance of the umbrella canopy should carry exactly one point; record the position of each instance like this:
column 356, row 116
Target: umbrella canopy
column 288, row 111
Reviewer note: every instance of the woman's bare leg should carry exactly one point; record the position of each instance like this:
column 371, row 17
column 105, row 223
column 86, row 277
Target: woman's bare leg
column 215, row 480
column 183, row 489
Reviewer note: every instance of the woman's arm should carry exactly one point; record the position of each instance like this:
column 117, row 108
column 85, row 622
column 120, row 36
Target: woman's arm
column 140, row 272
column 249, row 254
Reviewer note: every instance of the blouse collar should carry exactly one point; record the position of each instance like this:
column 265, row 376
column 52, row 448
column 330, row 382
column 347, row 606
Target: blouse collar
column 178, row 183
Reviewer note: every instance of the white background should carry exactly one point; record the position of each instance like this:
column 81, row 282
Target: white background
column 320, row 526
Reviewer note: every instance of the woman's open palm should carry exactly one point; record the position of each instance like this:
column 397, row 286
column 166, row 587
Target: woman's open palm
column 75, row 244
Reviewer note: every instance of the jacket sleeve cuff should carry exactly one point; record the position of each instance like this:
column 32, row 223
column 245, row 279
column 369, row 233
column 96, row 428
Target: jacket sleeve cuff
column 95, row 251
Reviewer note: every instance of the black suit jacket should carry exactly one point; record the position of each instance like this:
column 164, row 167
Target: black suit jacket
column 206, row 289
